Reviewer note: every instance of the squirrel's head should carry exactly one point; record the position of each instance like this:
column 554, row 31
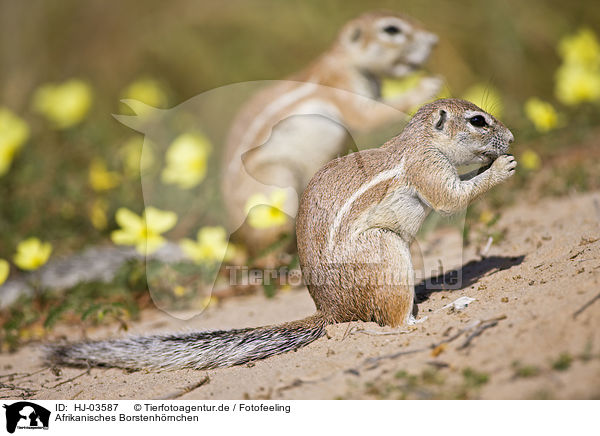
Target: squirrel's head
column 464, row 132
column 386, row 43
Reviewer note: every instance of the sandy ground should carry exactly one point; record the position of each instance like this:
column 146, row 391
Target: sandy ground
column 528, row 334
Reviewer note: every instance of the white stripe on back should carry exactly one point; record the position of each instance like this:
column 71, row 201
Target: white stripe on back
column 398, row 170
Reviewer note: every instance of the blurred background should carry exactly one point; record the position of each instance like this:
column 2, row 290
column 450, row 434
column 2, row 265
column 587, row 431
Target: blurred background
column 67, row 166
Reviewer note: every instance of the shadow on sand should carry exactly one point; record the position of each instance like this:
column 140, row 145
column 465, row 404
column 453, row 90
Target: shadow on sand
column 466, row 275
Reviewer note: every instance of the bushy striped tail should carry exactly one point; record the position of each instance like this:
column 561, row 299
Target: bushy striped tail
column 199, row 350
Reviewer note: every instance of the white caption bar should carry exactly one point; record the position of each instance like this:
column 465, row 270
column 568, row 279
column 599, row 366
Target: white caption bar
column 90, row 418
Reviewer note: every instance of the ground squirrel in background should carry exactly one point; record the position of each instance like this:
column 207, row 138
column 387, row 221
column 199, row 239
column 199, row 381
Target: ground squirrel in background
column 357, row 218
column 286, row 132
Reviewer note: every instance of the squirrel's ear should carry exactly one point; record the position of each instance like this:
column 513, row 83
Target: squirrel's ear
column 355, row 34
column 350, row 35
column 441, row 120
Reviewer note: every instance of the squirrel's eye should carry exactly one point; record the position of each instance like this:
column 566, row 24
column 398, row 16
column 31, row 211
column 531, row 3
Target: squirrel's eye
column 478, row 121
column 391, row 30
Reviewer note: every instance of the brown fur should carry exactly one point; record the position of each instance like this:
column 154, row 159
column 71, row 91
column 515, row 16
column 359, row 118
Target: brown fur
column 349, row 91
column 346, row 256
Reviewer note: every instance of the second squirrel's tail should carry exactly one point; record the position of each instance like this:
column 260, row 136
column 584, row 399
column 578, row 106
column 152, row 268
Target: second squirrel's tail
column 198, row 350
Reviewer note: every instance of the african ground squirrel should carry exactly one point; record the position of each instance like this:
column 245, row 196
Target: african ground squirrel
column 356, row 220
column 286, row 132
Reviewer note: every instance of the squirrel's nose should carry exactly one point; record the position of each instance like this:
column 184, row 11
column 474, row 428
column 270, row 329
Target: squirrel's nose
column 510, row 138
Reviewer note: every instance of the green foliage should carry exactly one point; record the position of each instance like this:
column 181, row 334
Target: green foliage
column 90, row 303
column 474, row 379
column 525, row 371
column 563, row 362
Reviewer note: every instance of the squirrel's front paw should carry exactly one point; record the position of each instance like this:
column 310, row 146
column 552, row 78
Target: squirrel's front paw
column 503, row 167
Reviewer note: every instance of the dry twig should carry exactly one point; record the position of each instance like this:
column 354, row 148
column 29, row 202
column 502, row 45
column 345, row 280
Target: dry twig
column 373, row 362
column 479, row 329
column 87, row 371
column 25, row 392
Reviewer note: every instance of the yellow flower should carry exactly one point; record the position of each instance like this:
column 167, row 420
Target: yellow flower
column 179, row 291
column 393, row 87
column 13, row 133
column 582, row 49
column 147, row 90
column 209, row 301
column 576, row 84
column 32, row 253
column 530, row 160
column 487, row 98
column 98, row 214
column 266, row 212
column 4, row 270
column 138, row 156
column 486, row 216
column 578, row 78
column 210, row 246
column 144, row 232
column 100, row 178
column 33, row 332
column 64, row 105
column 542, row 114
column 186, row 160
